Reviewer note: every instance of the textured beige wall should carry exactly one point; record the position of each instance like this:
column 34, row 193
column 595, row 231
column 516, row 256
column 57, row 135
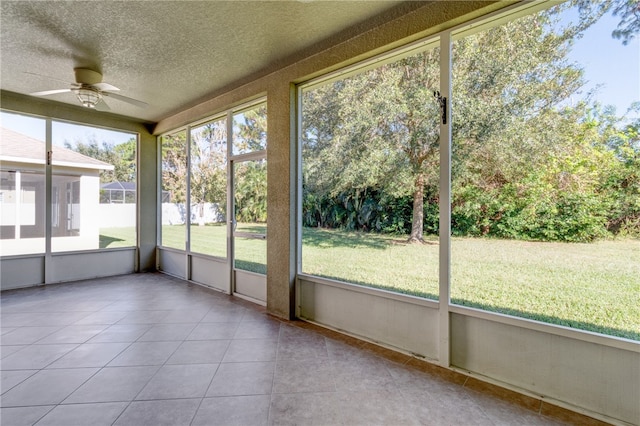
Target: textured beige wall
column 426, row 18
column 281, row 218
column 147, row 202
column 422, row 19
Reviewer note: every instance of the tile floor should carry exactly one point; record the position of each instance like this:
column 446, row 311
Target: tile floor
column 149, row 349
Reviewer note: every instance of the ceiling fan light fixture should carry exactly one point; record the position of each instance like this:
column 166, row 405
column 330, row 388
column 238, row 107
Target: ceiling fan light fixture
column 88, row 97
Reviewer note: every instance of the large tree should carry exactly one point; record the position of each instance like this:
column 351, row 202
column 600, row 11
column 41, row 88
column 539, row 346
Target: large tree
column 379, row 130
column 121, row 156
column 250, row 177
column 209, row 168
column 174, row 168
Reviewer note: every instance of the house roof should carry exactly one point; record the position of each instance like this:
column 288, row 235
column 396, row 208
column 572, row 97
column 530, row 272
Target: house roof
column 19, row 148
column 127, row 186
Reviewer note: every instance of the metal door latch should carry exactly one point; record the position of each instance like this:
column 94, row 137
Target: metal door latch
column 442, row 103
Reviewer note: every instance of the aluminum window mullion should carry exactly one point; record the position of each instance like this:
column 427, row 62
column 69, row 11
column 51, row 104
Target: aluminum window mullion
column 375, row 62
column 299, row 196
column 187, row 231
column 248, row 106
column 138, row 206
column 500, row 17
column 208, row 120
column 231, row 215
column 48, row 198
column 159, row 190
column 445, row 204
column 187, row 244
column 249, row 156
column 159, row 194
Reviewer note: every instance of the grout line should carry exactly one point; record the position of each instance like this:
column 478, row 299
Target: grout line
column 195, row 413
column 357, row 344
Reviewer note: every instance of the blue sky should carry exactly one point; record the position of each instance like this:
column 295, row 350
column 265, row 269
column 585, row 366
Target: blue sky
column 61, row 131
column 608, row 62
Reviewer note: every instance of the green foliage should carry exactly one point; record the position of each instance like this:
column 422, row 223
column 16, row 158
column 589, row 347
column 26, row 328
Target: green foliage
column 376, row 132
column 527, row 163
column 368, row 211
column 250, row 130
column 622, row 183
column 627, row 10
column 251, row 191
column 121, row 156
column 208, row 163
column 174, row 167
column 209, row 166
column 629, row 26
column 250, row 177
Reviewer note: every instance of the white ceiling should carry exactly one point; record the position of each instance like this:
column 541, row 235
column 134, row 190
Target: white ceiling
column 169, row 54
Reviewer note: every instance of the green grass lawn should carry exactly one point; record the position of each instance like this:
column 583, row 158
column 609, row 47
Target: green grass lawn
column 211, row 240
column 251, row 254
column 593, row 287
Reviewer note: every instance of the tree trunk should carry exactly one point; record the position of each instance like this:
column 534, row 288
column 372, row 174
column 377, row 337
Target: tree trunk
column 418, row 211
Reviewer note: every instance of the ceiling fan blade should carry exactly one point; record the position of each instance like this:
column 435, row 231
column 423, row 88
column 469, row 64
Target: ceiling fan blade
column 45, row 76
column 105, row 87
column 102, row 106
column 125, row 99
column 50, row 92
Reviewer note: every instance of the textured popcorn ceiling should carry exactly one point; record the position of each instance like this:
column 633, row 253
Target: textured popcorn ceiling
column 170, row 54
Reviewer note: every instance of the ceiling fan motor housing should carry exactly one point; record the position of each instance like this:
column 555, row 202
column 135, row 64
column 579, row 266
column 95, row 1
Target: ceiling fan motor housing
column 91, row 91
column 87, row 76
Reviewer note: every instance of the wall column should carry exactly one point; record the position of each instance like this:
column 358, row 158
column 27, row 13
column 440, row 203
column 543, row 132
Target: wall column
column 147, row 201
column 281, row 217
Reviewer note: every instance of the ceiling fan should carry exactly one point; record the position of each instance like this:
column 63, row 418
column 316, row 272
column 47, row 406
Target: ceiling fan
column 91, row 91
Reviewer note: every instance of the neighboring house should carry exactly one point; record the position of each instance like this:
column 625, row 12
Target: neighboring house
column 75, row 195
column 118, row 192
column 118, row 205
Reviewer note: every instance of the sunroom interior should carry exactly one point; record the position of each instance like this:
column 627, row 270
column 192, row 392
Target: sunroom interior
column 225, row 91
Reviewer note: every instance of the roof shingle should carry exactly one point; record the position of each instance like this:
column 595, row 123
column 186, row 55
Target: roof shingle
column 22, row 148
